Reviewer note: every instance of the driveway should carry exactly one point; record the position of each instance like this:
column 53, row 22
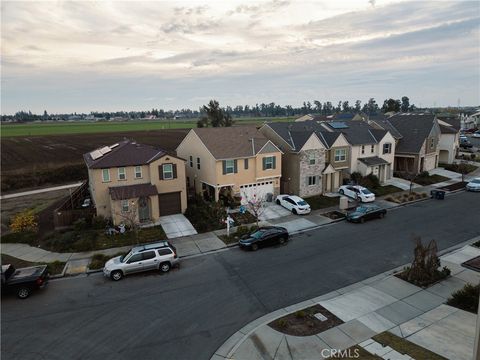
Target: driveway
column 176, row 225
column 273, row 211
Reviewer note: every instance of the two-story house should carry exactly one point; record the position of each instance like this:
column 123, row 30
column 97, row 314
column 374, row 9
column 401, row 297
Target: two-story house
column 231, row 161
column 417, row 149
column 128, row 180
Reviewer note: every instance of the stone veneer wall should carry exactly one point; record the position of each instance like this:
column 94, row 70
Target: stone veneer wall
column 307, row 170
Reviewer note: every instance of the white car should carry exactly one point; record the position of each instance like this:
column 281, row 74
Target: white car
column 473, row 185
column 357, row 192
column 293, row 203
column 476, row 134
column 463, row 137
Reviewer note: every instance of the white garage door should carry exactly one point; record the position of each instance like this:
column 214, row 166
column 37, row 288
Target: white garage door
column 258, row 190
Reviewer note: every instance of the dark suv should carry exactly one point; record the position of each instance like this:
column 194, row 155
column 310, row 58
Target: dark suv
column 264, row 236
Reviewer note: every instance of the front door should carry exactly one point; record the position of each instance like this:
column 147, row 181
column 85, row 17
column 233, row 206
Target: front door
column 143, row 209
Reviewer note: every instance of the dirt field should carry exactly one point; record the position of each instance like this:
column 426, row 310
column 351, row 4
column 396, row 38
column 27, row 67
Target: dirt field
column 41, row 156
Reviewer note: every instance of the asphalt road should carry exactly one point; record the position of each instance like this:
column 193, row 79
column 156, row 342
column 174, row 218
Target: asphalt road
column 189, row 312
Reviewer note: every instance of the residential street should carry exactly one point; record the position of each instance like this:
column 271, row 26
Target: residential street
column 190, row 312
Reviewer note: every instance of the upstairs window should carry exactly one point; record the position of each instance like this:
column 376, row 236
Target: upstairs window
column 191, row 161
column 387, row 148
column 138, row 172
column 105, row 175
column 229, row 166
column 122, row 174
column 198, row 163
column 167, row 171
column 269, row 162
column 432, row 143
column 311, row 159
column 372, row 149
column 340, row 155
column 245, row 164
column 363, row 149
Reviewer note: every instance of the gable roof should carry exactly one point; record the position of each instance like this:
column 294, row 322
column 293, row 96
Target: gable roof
column 382, row 122
column 232, row 142
column 124, row 153
column 414, row 129
column 132, row 191
column 360, row 133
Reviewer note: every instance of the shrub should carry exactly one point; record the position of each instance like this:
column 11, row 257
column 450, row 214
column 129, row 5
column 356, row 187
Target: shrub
column 423, row 195
column 206, row 216
column 80, row 224
column 300, row 314
column 99, row 222
column 356, row 177
column 423, row 174
column 282, row 323
column 98, row 261
column 24, row 221
column 25, row 237
column 466, row 298
column 390, row 198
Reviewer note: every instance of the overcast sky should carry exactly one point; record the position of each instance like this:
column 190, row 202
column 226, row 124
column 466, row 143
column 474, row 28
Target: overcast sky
column 130, row 55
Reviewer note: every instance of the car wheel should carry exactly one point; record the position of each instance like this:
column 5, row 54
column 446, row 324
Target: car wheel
column 282, row 241
column 164, row 267
column 23, row 293
column 116, row 275
column 341, row 192
column 254, row 247
column 362, row 220
column 294, row 211
column 381, row 215
column 278, row 202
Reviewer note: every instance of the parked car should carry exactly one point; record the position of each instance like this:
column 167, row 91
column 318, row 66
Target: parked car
column 293, row 203
column 462, row 137
column 476, row 134
column 362, row 213
column 155, row 256
column 264, row 236
column 473, row 185
column 23, row 281
column 357, row 192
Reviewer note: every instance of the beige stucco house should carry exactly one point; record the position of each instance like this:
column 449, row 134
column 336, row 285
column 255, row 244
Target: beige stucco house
column 236, row 161
column 448, row 143
column 128, row 180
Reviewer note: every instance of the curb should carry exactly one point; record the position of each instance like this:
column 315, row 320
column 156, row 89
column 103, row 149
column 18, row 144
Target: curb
column 228, row 348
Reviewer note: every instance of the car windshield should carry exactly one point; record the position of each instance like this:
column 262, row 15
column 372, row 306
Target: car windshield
column 258, row 234
column 366, row 192
column 125, row 256
column 362, row 209
column 302, row 202
column 476, row 181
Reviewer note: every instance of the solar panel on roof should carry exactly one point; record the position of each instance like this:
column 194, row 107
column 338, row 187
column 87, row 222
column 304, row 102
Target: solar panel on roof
column 96, row 154
column 105, row 150
column 338, row 125
column 113, row 146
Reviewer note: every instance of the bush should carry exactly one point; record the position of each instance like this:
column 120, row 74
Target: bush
column 206, row 216
column 466, row 298
column 423, row 174
column 25, row 221
column 356, row 177
column 80, row 224
column 300, row 314
column 26, row 237
column 98, row 261
column 99, row 222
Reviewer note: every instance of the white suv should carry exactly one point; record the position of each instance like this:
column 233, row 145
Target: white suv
column 357, row 192
column 156, row 256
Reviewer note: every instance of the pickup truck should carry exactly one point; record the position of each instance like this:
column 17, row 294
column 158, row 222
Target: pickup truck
column 23, row 281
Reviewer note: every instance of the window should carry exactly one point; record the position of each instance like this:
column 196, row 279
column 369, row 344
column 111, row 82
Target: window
column 432, row 143
column 372, row 149
column 138, row 172
column 269, row 162
column 148, row 255
column 229, row 166
column 245, row 164
column 198, row 163
column 191, row 161
column 121, row 174
column 363, row 149
column 163, row 252
column 135, row 258
column 312, row 180
column 167, row 171
column 340, row 155
column 387, row 148
column 106, row 175
column 311, row 159
column 124, row 205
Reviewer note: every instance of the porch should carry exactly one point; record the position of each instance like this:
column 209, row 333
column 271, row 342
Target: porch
column 376, row 166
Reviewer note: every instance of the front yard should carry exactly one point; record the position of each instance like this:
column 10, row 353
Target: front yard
column 459, row 168
column 321, row 201
column 54, row 268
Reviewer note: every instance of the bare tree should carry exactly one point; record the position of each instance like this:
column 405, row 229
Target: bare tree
column 255, row 205
column 130, row 217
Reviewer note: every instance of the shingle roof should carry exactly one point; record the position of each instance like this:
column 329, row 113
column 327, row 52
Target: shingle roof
column 132, row 191
column 414, row 129
column 125, row 153
column 360, row 133
column 382, row 122
column 447, row 129
column 232, row 142
column 373, row 161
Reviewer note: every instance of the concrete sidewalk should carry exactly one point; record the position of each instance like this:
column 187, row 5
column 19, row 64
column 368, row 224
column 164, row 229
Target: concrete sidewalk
column 378, row 304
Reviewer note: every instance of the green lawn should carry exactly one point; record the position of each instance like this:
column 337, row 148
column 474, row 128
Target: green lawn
column 64, row 128
column 430, row 179
column 385, row 190
column 321, row 202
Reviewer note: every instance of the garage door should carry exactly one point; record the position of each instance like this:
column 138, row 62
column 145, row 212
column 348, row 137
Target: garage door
column 258, row 190
column 170, row 203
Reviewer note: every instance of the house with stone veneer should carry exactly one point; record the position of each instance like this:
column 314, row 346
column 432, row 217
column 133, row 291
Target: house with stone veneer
column 236, row 161
column 135, row 181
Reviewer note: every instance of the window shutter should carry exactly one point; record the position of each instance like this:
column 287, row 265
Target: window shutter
column 224, row 166
column 235, row 169
column 264, row 161
column 246, row 164
column 160, row 172
column 274, row 162
column 174, row 167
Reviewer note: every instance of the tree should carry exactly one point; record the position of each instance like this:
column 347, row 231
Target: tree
column 339, row 107
column 358, row 106
column 405, row 104
column 318, row 106
column 345, row 106
column 130, row 217
column 24, row 221
column 391, row 105
column 255, row 205
column 371, row 107
column 214, row 116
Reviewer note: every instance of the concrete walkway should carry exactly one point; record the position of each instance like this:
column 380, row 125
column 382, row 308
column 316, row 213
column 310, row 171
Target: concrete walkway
column 378, row 304
column 39, row 191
